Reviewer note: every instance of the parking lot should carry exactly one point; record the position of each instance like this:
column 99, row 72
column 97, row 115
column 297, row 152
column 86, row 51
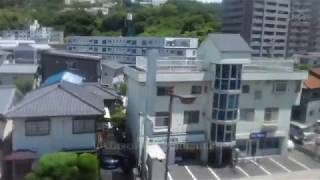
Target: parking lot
column 261, row 166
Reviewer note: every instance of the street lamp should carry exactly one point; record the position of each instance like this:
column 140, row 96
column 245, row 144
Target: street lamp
column 184, row 100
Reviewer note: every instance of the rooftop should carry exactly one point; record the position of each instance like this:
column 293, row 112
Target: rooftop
column 18, row 68
column 7, row 96
column 73, row 55
column 229, row 42
column 313, row 81
column 61, row 99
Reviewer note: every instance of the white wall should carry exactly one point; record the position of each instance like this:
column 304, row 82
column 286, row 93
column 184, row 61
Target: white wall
column 315, row 107
column 60, row 137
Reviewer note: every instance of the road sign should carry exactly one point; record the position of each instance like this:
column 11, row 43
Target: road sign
column 258, row 135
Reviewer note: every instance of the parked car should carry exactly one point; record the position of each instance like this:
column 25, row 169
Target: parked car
column 109, row 162
column 123, row 159
column 300, row 133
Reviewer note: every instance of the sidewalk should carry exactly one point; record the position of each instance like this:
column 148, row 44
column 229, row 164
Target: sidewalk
column 305, row 175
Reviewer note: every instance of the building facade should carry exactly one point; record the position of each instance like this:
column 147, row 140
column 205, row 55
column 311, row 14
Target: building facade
column 126, row 49
column 262, row 23
column 236, row 100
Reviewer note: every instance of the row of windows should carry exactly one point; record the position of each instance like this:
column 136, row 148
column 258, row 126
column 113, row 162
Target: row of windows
column 42, row 127
column 167, row 90
column 189, row 117
column 228, row 71
column 278, row 87
column 270, row 114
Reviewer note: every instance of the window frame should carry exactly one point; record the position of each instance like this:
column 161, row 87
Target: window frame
column 268, row 112
column 245, row 89
column 163, row 117
column 276, row 86
column 74, row 119
column 27, row 133
column 167, row 90
column 195, row 90
column 246, row 111
column 188, row 113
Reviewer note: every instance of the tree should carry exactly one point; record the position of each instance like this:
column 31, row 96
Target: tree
column 118, row 116
column 24, row 86
column 66, row 166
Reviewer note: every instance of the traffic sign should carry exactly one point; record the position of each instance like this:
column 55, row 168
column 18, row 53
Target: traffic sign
column 258, row 135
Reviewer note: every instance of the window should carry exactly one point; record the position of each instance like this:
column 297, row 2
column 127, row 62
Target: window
column 83, row 125
column 164, row 91
column 245, row 89
column 162, row 119
column 311, row 113
column 191, row 117
column 271, row 114
column 247, row 114
column 196, row 89
column 37, row 127
column 213, row 132
column 257, row 95
column 280, row 86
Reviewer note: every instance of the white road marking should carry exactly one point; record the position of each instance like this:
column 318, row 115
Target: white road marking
column 280, row 165
column 191, row 174
column 243, row 172
column 299, row 163
column 214, row 174
column 261, row 167
column 170, row 177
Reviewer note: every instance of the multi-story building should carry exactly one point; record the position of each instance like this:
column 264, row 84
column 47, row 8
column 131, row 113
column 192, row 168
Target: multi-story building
column 262, row 23
column 236, row 101
column 34, row 32
column 126, row 49
column 299, row 27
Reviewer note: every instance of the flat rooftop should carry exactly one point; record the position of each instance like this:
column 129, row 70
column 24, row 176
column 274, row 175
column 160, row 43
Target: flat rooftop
column 18, row 68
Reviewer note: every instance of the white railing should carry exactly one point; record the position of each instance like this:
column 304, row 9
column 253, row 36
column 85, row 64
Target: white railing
column 269, row 65
column 165, row 65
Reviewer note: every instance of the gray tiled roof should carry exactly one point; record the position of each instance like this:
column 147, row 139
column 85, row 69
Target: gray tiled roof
column 7, row 96
column 73, row 55
column 103, row 92
column 62, row 99
column 229, row 42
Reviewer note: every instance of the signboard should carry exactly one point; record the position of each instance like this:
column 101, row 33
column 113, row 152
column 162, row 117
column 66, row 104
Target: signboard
column 258, row 135
column 176, row 139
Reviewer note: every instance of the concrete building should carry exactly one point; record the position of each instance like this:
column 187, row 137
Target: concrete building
column 34, row 32
column 262, row 23
column 237, row 100
column 126, row 49
column 309, row 59
column 299, row 27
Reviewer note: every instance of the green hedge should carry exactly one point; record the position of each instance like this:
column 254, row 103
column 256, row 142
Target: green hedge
column 66, row 166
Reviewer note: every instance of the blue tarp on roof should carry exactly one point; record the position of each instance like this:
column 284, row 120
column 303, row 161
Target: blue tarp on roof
column 63, row 76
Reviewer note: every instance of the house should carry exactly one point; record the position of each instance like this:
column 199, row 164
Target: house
column 308, row 112
column 237, row 99
column 53, row 62
column 11, row 73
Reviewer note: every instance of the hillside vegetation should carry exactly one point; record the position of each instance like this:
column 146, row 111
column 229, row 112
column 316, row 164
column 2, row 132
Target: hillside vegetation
column 175, row 18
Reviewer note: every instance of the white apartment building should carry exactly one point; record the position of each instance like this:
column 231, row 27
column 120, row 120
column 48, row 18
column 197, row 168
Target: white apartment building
column 239, row 102
column 126, row 49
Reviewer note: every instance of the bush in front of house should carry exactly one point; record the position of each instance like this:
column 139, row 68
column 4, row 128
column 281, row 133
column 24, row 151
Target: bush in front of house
column 66, row 166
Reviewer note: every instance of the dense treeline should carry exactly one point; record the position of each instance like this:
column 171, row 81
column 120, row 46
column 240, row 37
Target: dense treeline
column 175, row 18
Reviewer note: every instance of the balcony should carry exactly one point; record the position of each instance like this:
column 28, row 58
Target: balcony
column 270, row 126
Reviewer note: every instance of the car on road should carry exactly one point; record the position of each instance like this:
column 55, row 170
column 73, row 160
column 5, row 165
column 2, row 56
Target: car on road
column 110, row 161
column 300, row 133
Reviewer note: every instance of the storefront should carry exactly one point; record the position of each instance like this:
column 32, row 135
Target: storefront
column 184, row 147
column 259, row 147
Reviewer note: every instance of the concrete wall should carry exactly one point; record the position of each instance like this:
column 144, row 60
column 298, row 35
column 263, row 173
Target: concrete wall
column 60, row 137
column 312, row 112
column 12, row 78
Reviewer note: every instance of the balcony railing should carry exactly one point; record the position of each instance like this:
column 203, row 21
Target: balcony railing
column 172, row 65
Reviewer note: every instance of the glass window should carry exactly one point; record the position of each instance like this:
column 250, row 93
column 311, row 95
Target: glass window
column 221, row 115
column 232, row 101
column 217, row 84
column 245, row 89
column 234, row 71
column 218, row 71
column 247, row 114
column 220, row 133
column 39, row 127
column 271, row 114
column 224, row 84
column 225, row 71
column 214, row 114
column 164, row 91
column 223, row 101
column 80, row 125
column 233, row 84
column 196, row 89
column 162, row 119
column 215, row 100
column 191, row 117
column 213, row 132
column 280, row 86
